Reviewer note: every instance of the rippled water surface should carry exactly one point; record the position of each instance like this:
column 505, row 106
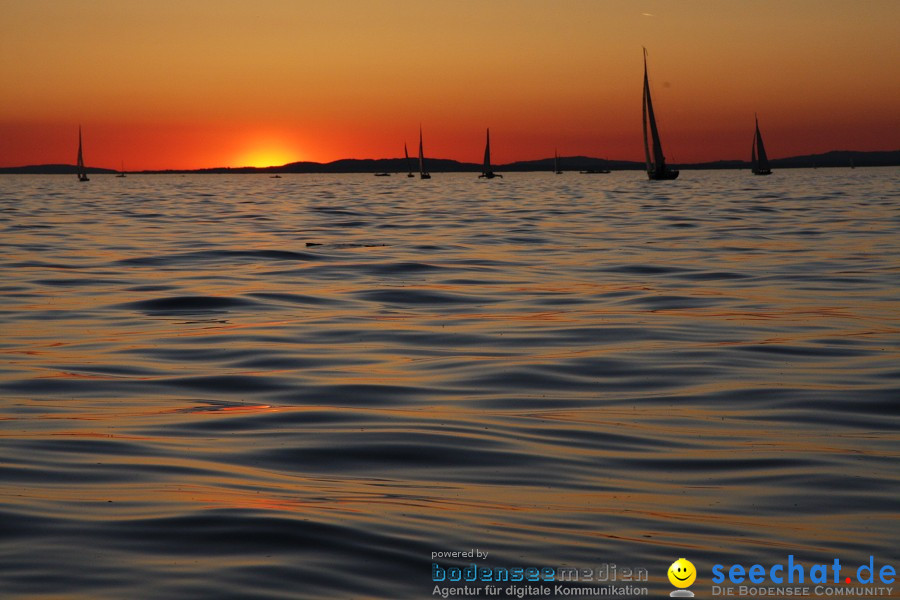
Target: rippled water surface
column 244, row 387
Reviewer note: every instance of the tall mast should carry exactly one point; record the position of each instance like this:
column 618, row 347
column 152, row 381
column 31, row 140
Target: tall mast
column 406, row 154
column 644, row 121
column 421, row 153
column 754, row 166
column 760, row 148
column 82, row 172
column 423, row 174
column 659, row 160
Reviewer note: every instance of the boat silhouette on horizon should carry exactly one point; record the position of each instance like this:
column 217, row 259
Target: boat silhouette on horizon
column 656, row 165
column 423, row 172
column 758, row 159
column 486, row 171
column 408, row 164
column 79, row 168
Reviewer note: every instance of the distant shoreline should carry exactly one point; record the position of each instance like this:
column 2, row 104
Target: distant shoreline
column 835, row 158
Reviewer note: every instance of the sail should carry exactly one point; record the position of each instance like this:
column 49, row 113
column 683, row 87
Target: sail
column 753, row 164
column 644, row 120
column 408, row 164
column 761, row 150
column 555, row 161
column 486, row 171
column 758, row 159
column 656, row 163
column 82, row 172
column 423, row 173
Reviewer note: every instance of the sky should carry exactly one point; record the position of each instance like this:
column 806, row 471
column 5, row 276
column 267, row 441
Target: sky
column 206, row 83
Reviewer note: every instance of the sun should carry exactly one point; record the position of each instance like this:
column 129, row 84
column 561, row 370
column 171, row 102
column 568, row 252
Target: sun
column 267, row 151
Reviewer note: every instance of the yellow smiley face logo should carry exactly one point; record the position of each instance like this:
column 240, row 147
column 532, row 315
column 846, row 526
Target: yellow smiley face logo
column 682, row 573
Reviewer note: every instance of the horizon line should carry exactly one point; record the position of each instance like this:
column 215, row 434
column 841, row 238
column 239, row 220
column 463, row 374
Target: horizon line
column 638, row 163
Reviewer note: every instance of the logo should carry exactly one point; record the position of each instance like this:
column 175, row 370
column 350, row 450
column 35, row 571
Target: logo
column 682, row 574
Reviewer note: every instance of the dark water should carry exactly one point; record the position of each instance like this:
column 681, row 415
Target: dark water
column 243, row 387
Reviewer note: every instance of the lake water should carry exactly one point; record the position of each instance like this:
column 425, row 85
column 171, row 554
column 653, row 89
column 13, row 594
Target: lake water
column 244, row 387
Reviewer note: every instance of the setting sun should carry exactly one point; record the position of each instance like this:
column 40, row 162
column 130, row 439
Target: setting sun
column 267, row 151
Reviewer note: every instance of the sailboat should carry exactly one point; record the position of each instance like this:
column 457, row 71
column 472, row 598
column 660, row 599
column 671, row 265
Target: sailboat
column 82, row 172
column 758, row 159
column 656, row 166
column 486, row 171
column 408, row 164
column 122, row 172
column 423, row 174
column 556, row 162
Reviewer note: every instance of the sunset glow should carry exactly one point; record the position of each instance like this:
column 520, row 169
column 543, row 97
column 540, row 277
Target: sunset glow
column 192, row 84
column 267, row 151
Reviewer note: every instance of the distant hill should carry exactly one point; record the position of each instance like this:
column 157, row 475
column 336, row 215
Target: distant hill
column 51, row 170
column 836, row 158
column 570, row 163
column 840, row 158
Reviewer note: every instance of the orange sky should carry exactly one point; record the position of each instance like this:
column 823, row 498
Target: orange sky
column 191, row 83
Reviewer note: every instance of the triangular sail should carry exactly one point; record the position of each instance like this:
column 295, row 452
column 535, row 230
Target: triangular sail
column 644, row 120
column 761, row 150
column 423, row 173
column 408, row 164
column 656, row 162
column 82, row 172
column 758, row 159
column 486, row 167
column 486, row 170
column 753, row 164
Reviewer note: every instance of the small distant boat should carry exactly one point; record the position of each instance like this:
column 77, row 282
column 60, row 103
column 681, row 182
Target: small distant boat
column 423, row 173
column 382, row 174
column 556, row 162
column 408, row 163
column 656, row 166
column 276, row 176
column 82, row 172
column 758, row 159
column 486, row 171
column 122, row 170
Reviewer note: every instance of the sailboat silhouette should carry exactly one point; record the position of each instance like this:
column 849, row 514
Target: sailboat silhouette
column 408, row 164
column 79, row 168
column 656, row 166
column 486, row 170
column 423, row 172
column 758, row 159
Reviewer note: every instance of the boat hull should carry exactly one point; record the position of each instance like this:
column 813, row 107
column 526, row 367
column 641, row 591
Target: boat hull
column 663, row 175
column 762, row 171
